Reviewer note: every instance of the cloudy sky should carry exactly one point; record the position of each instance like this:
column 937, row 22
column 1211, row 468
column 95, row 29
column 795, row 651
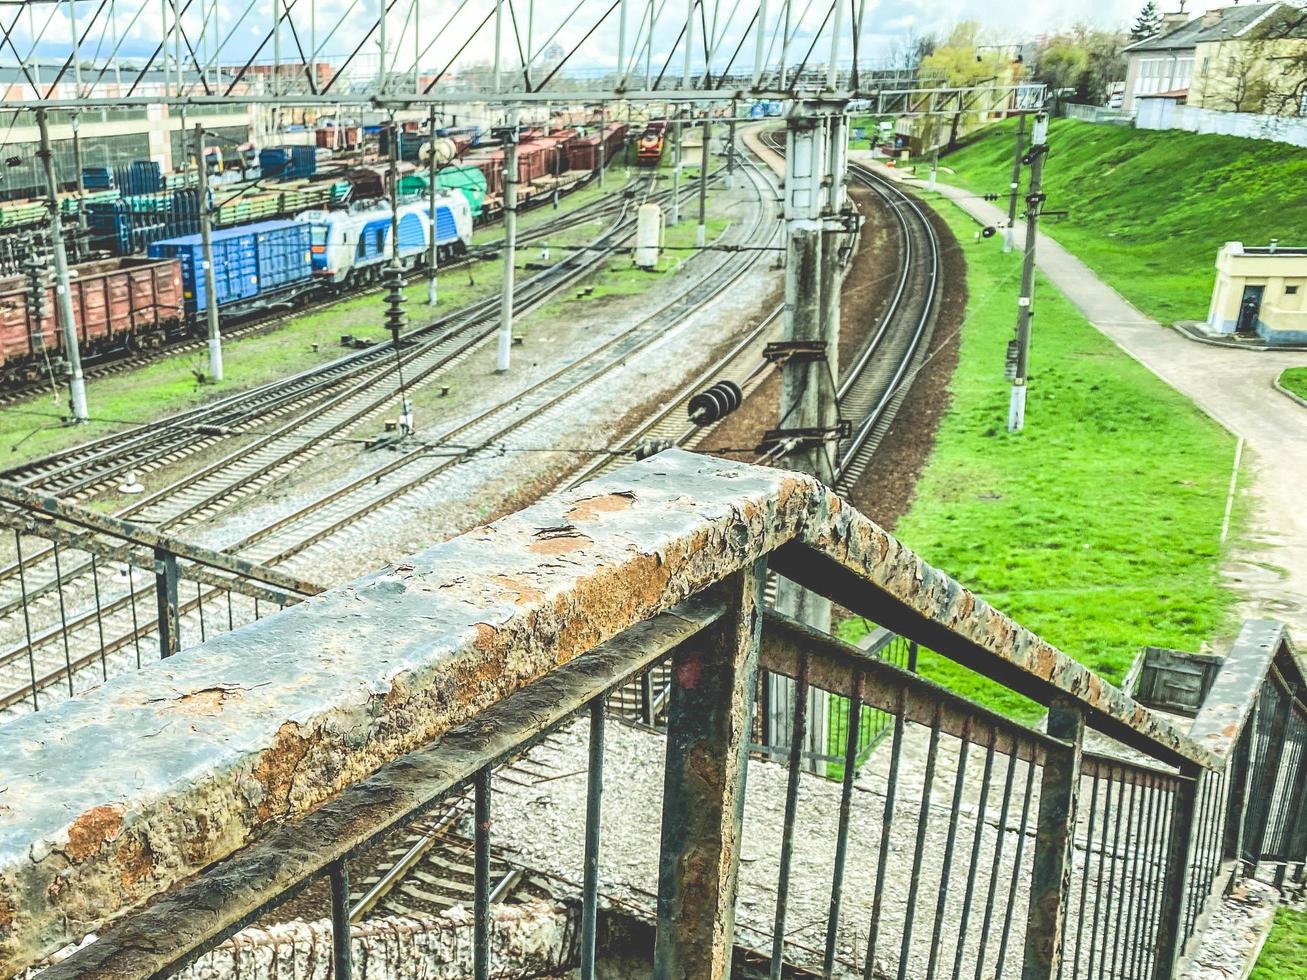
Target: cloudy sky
column 338, row 25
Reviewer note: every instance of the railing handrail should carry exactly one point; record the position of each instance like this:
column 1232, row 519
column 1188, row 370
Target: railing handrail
column 287, row 715
column 45, row 508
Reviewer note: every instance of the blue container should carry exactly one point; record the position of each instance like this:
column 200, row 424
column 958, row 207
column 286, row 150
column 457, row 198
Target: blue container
column 249, row 261
column 288, row 162
column 273, row 161
column 97, row 179
column 139, row 177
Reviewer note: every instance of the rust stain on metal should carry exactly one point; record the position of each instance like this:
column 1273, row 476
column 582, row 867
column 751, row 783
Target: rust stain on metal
column 609, row 503
column 94, row 828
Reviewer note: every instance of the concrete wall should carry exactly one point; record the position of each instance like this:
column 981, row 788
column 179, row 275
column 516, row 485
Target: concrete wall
column 1168, row 114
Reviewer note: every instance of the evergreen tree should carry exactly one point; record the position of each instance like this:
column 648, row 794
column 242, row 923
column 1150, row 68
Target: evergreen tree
column 1148, row 23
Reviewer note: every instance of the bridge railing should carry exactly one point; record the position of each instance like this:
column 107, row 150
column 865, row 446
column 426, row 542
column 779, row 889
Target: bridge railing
column 84, row 595
column 971, row 845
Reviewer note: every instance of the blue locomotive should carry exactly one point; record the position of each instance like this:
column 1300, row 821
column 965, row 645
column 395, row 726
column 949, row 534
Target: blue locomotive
column 354, row 246
column 273, row 262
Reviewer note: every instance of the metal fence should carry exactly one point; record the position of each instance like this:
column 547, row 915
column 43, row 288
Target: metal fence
column 83, row 596
column 997, row 848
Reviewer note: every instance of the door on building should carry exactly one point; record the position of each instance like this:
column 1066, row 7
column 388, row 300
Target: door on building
column 1249, row 307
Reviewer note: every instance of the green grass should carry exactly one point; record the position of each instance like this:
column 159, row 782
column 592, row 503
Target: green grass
column 1285, row 953
column 1295, row 380
column 1149, row 209
column 1098, row 526
column 869, row 126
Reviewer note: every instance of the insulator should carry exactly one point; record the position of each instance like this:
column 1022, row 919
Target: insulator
column 715, row 402
column 651, row 447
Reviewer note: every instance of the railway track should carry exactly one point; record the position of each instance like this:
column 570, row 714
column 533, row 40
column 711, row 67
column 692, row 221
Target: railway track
column 110, row 632
column 118, row 362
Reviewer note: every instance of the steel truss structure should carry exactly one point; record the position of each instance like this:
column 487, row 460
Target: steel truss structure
column 395, row 54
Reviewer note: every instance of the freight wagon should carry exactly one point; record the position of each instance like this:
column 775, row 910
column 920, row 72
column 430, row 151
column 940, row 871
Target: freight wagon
column 583, row 153
column 255, row 266
column 467, row 180
column 118, row 304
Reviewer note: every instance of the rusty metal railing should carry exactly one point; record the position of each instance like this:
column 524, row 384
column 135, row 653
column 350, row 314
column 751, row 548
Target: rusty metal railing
column 84, row 594
column 968, row 845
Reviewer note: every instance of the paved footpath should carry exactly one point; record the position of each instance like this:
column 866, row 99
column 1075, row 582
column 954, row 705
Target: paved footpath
column 1236, row 388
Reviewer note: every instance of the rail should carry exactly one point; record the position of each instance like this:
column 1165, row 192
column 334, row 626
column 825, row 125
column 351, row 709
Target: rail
column 286, row 747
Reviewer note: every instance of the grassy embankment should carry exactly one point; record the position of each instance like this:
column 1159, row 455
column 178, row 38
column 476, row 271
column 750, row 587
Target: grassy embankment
column 170, row 384
column 1098, row 526
column 1285, row 953
column 1295, row 380
column 1149, row 209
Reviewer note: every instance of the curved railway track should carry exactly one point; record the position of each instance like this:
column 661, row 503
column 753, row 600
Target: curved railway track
column 118, row 620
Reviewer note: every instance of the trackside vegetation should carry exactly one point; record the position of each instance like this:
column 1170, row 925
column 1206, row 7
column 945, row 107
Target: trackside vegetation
column 1098, row 526
column 1148, row 210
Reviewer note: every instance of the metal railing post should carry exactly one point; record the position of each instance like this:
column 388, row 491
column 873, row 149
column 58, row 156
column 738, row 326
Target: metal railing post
column 709, row 721
column 165, row 588
column 1175, row 886
column 1055, row 840
column 342, row 956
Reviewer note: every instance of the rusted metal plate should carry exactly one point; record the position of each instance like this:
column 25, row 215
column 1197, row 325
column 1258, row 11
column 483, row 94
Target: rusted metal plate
column 201, row 914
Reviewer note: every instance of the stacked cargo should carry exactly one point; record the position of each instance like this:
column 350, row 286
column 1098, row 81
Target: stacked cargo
column 138, row 177
column 128, row 225
column 467, row 180
column 288, row 162
column 97, row 178
column 16, row 213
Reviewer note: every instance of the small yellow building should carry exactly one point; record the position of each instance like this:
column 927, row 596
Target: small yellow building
column 1260, row 291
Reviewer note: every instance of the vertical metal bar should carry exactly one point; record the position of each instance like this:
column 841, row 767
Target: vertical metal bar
column 136, row 624
column 1121, row 901
column 852, row 725
column 710, row 718
column 27, row 619
column 886, row 824
column 912, row 656
column 593, row 813
column 230, row 617
column 791, row 809
column 63, row 619
column 923, row 821
column 165, row 587
column 199, row 601
column 1180, row 849
column 976, row 843
column 1098, row 879
column 647, row 697
column 945, row 874
column 1140, row 918
column 1016, row 870
column 481, row 878
column 1084, row 877
column 1111, row 877
column 99, row 618
column 1270, row 770
column 1158, row 854
column 342, row 957
column 1055, row 841
column 997, row 862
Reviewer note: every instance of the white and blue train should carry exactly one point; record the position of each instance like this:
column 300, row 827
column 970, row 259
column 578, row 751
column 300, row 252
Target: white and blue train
column 353, row 246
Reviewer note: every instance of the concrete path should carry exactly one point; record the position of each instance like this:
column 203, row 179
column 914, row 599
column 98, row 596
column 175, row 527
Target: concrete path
column 1269, row 568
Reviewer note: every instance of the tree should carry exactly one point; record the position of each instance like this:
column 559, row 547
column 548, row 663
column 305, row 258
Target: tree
column 1148, row 23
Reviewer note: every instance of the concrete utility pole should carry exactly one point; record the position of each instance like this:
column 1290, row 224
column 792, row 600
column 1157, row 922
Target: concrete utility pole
column 63, row 293
column 1010, row 232
column 432, row 259
column 701, row 232
column 1016, row 416
column 206, row 249
column 510, row 244
column 809, row 411
column 730, row 148
column 603, row 134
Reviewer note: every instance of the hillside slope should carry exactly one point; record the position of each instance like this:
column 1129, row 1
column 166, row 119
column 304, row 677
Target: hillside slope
column 1148, row 210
